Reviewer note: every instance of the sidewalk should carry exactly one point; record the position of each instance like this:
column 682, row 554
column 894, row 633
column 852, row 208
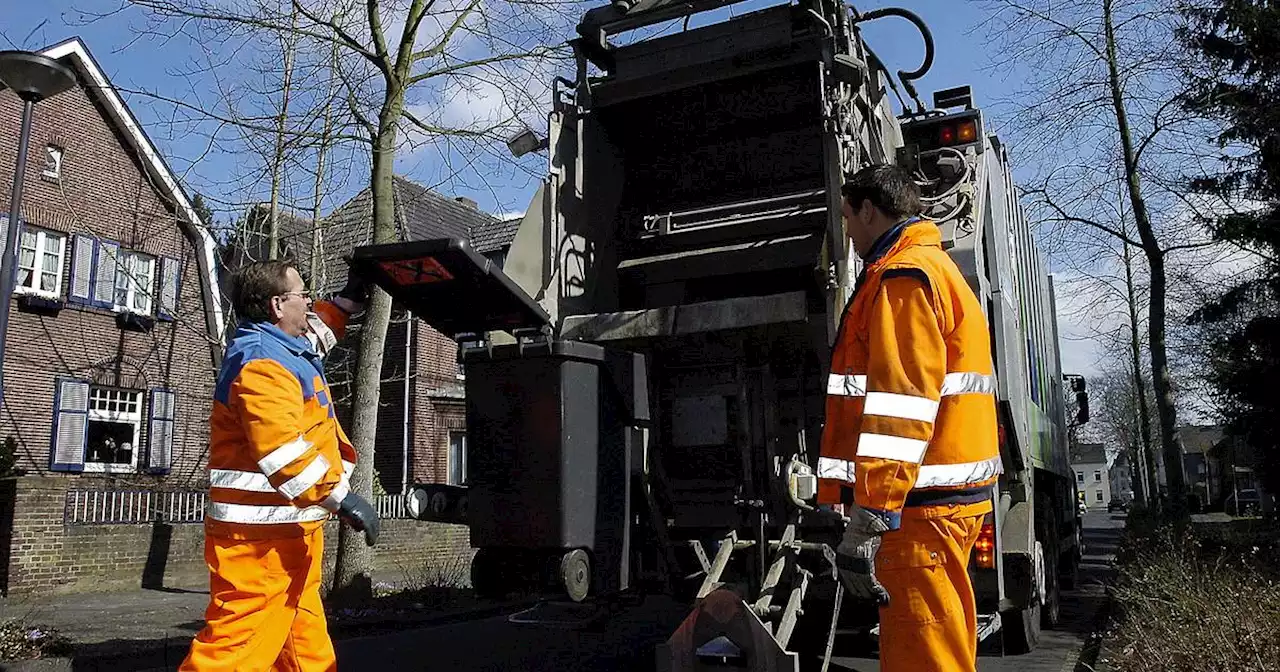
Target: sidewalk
column 151, row 629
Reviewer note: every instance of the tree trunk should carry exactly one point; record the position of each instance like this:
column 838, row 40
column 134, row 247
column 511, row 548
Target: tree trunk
column 1174, row 480
column 354, row 573
column 1145, row 466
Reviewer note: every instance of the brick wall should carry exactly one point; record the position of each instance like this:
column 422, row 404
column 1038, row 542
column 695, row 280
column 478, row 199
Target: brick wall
column 46, row 555
column 102, row 192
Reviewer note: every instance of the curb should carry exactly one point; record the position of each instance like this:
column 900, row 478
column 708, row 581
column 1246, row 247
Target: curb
column 168, row 653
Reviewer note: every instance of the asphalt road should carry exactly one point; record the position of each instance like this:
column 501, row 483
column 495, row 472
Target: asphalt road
column 626, row 641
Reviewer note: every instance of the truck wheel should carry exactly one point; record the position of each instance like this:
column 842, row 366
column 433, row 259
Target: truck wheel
column 1070, row 572
column 1021, row 628
column 1050, row 615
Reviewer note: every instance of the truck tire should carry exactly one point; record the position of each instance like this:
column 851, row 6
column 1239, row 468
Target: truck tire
column 1021, row 629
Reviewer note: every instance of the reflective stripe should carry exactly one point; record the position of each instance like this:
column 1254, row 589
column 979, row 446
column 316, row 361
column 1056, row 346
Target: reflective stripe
column 903, row 406
column 347, row 468
column 888, row 447
column 831, row 467
column 853, row 385
column 339, row 493
column 968, row 473
column 308, row 478
column 282, row 456
column 264, row 515
column 968, row 383
column 248, row 481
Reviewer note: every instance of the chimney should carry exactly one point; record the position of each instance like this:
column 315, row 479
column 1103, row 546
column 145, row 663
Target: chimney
column 467, row 202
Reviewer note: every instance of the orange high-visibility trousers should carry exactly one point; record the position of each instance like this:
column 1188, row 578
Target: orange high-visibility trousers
column 264, row 607
column 931, row 622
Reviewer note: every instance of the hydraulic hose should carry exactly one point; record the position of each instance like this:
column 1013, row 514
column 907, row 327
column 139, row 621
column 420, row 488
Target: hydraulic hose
column 905, row 76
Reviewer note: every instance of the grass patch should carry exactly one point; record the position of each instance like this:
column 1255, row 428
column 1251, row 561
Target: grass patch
column 21, row 641
column 1196, row 597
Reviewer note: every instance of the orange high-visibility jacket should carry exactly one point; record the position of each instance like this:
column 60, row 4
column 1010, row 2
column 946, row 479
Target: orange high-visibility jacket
column 911, row 410
column 279, row 462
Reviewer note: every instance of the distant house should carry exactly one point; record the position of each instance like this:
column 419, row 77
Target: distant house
column 1202, row 469
column 1121, row 477
column 1089, row 462
column 421, row 433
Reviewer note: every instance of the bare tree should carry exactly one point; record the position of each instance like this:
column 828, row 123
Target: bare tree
column 388, row 51
column 1100, row 103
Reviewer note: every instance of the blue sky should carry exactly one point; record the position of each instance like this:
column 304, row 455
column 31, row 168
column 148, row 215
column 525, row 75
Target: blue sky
column 132, row 62
column 143, row 63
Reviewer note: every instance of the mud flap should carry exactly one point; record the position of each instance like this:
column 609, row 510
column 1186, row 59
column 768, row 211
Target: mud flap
column 724, row 634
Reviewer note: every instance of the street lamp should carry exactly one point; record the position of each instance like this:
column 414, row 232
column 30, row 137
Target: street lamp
column 33, row 77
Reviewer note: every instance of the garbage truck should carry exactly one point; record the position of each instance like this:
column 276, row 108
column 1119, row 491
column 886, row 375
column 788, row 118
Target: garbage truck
column 646, row 371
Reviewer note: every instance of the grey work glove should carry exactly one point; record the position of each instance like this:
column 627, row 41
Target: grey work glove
column 359, row 516
column 856, row 555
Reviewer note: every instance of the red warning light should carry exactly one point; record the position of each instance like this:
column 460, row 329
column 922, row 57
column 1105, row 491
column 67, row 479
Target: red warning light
column 948, row 135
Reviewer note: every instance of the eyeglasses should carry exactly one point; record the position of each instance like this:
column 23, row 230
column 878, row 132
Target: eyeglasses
column 304, row 294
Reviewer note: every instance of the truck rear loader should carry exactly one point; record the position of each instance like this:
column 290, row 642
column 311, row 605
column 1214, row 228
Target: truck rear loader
column 646, row 372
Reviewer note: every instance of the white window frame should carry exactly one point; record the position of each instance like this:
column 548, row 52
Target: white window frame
column 125, row 261
column 37, row 269
column 1098, row 496
column 448, row 476
column 1097, row 476
column 55, row 153
column 105, row 415
column 1079, row 477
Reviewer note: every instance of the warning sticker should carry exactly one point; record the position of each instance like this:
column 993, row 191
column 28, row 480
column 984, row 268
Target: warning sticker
column 415, row 271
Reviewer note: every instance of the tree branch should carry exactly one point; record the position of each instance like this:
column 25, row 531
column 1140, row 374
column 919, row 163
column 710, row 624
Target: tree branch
column 458, row 67
column 1074, row 32
column 1064, row 217
column 440, row 45
column 346, row 38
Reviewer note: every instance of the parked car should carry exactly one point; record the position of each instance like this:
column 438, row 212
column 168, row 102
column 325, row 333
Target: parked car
column 1117, row 505
column 1243, row 503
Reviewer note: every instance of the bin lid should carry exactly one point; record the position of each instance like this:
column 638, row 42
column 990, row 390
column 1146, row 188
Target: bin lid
column 449, row 286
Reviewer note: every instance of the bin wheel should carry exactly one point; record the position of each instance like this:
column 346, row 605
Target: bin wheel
column 575, row 574
column 487, row 574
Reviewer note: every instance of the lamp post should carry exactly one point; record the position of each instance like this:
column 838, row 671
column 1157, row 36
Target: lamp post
column 33, row 77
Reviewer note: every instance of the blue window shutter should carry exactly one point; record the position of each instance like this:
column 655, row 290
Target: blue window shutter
column 81, row 269
column 70, row 424
column 104, row 274
column 170, row 284
column 160, row 427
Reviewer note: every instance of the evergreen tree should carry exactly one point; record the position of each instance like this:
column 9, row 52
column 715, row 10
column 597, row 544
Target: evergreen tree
column 1235, row 77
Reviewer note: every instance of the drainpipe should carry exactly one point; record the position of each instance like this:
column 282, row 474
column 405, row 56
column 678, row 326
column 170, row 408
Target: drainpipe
column 404, row 439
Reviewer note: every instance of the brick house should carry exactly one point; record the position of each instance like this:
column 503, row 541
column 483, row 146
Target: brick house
column 422, row 422
column 114, row 330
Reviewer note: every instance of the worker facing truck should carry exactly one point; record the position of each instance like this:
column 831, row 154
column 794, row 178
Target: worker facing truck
column 279, row 465
column 909, row 446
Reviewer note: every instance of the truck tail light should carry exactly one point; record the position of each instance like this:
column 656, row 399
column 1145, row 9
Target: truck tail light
column 984, row 551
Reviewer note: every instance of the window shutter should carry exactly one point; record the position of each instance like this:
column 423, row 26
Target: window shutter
column 70, row 424
column 82, row 269
column 170, row 280
column 104, row 280
column 160, row 431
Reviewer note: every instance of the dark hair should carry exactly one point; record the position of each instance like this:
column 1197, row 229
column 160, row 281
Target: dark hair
column 253, row 286
column 889, row 188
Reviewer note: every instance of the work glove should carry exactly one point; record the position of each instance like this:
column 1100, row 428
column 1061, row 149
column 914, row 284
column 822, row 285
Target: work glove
column 359, row 516
column 856, row 555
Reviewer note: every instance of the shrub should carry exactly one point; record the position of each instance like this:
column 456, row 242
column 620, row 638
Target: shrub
column 19, row 641
column 1190, row 598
